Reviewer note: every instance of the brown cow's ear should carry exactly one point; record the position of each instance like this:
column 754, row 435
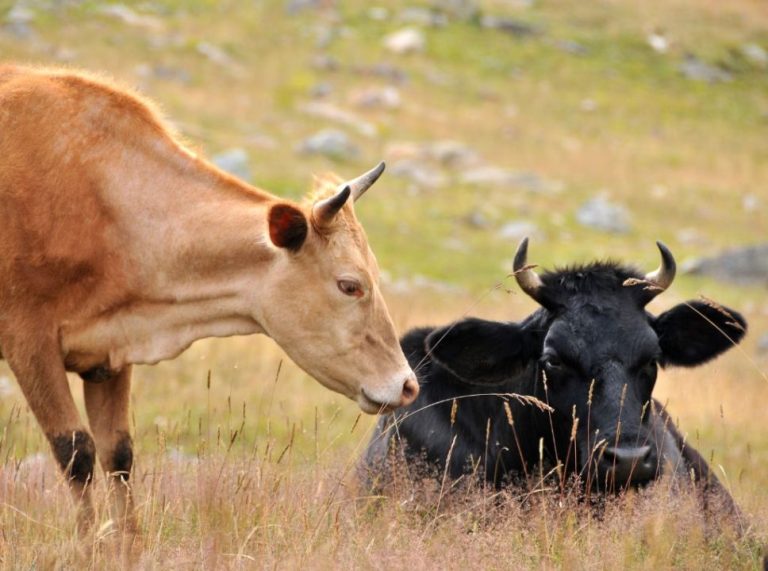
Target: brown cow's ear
column 287, row 226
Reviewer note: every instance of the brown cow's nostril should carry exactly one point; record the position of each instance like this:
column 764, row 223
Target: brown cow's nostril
column 410, row 391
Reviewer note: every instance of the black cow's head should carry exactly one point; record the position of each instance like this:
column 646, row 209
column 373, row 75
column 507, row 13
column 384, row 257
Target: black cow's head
column 595, row 352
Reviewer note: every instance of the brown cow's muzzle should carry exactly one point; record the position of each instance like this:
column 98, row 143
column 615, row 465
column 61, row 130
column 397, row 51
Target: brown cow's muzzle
column 372, row 405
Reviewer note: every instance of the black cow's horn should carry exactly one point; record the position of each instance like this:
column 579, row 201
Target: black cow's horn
column 528, row 280
column 664, row 275
column 324, row 210
column 359, row 185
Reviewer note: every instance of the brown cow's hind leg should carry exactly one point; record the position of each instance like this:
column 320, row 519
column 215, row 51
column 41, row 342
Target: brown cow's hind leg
column 106, row 402
column 37, row 363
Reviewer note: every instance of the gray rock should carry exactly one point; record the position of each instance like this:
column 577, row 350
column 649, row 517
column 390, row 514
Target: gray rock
column 762, row 344
column 18, row 21
column 658, row 42
column 451, row 153
column 600, row 214
column 406, row 41
column 476, row 219
column 235, row 162
column 376, row 98
column 338, row 115
column 295, row 6
column 324, row 62
column 215, row 54
column 423, row 175
column 378, row 13
column 518, row 229
column 496, row 176
column 384, row 70
column 164, row 72
column 510, row 26
column 330, row 143
column 745, row 265
column 130, row 17
column 571, row 47
column 458, row 9
column 697, row 70
column 422, row 17
column 755, row 53
column 320, row 90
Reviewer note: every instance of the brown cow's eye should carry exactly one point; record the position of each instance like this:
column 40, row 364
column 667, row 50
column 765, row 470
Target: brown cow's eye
column 350, row 287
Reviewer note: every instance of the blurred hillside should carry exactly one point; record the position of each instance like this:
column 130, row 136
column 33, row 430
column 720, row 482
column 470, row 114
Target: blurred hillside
column 594, row 127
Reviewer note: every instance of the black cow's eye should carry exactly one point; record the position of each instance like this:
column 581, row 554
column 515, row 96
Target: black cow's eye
column 350, row 287
column 553, row 363
column 649, row 369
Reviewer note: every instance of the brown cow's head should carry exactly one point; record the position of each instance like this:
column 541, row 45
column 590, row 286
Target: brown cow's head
column 323, row 303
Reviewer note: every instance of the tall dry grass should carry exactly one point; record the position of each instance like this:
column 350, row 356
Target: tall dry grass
column 254, row 466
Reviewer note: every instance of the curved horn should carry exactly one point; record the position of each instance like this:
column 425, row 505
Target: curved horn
column 664, row 275
column 362, row 183
column 324, row 210
column 528, row 280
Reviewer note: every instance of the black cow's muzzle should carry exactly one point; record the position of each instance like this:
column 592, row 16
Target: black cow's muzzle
column 622, row 466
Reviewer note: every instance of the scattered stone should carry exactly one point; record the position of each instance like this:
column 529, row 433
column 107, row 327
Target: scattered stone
column 691, row 237
column 745, row 265
column 658, row 41
column 750, row 203
column 495, row 176
column 517, row 230
column 6, row 386
column 330, row 143
column 452, row 153
column 476, row 220
column 338, row 115
column 18, row 21
column 295, row 6
column 378, row 13
column 422, row 175
column 321, row 90
column 755, row 53
column 588, row 105
column 215, row 54
column 406, row 41
column 571, row 47
column 422, row 17
column 376, row 98
column 510, row 26
column 383, row 70
column 697, row 70
column 324, row 62
column 458, row 9
column 164, row 72
column 235, row 162
column 600, row 214
column 762, row 344
column 127, row 16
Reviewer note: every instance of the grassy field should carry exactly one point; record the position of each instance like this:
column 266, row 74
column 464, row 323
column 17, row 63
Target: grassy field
column 245, row 462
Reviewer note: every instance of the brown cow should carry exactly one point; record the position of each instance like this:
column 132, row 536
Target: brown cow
column 119, row 246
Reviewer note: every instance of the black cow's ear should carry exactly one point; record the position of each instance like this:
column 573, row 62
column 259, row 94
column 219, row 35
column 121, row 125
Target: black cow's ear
column 287, row 226
column 477, row 351
column 694, row 332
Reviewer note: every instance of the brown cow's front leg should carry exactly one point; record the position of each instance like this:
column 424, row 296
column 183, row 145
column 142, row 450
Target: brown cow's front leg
column 38, row 366
column 107, row 403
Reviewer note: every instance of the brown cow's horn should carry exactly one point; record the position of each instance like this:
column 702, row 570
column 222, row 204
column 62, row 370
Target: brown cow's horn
column 664, row 275
column 528, row 280
column 362, row 183
column 324, row 210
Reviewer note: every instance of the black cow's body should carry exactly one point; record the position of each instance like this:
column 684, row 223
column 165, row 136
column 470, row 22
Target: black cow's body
column 591, row 353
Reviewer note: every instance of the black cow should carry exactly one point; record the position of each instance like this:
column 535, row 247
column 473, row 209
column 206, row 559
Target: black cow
column 591, row 352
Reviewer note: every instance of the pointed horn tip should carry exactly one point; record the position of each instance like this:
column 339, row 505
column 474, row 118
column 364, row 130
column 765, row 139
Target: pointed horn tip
column 521, row 255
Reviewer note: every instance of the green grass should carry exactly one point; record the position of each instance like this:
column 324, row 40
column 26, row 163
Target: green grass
column 518, row 103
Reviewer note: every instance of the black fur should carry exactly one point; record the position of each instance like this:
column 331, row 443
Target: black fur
column 76, row 454
column 591, row 352
column 122, row 457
